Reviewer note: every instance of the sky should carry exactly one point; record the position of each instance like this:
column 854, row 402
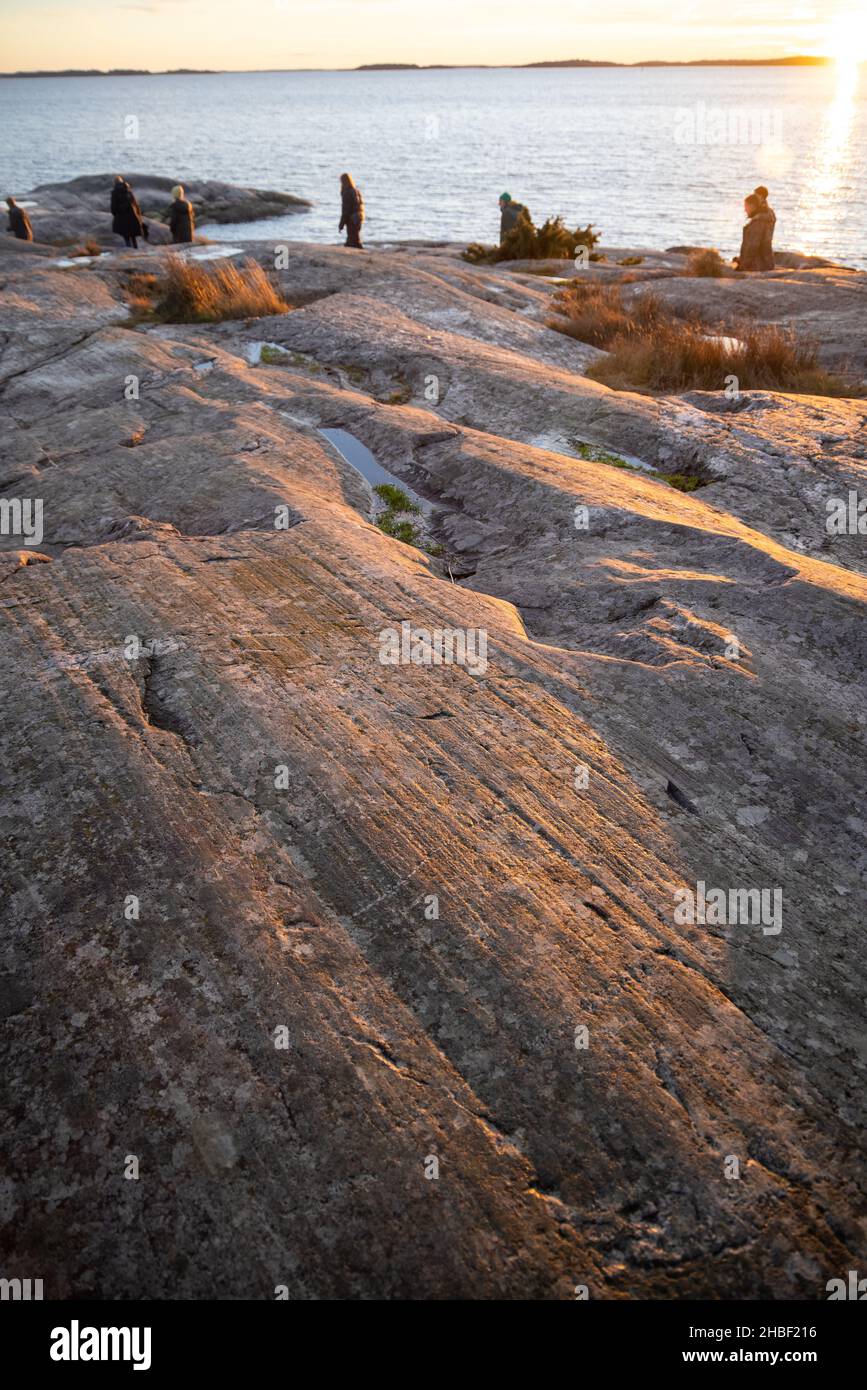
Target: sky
column 249, row 34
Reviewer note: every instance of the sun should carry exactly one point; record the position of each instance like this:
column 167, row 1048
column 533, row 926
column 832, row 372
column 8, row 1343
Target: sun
column 846, row 39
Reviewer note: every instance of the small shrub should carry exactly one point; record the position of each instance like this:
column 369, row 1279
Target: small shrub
column 193, row 293
column 395, row 498
column 525, row 242
column 708, row 264
column 405, row 531
column 479, row 254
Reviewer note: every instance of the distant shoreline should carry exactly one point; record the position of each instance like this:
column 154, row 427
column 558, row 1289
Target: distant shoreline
column 803, row 60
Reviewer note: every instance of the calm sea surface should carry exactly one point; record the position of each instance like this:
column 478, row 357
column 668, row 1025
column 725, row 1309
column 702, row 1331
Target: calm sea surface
column 652, row 157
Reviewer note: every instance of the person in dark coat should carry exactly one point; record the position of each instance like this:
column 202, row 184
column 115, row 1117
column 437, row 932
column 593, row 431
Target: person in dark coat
column 182, row 219
column 19, row 222
column 510, row 211
column 757, row 251
column 126, row 213
column 351, row 211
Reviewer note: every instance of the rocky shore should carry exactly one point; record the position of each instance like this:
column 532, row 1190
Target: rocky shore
column 77, row 210
column 377, row 970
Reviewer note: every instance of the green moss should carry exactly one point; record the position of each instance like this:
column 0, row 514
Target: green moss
column 355, row 374
column 280, row 357
column 272, row 356
column 594, row 455
column 434, row 548
column 684, row 482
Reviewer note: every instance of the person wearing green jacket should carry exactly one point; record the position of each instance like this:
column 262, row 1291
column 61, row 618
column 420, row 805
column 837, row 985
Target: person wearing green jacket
column 510, row 211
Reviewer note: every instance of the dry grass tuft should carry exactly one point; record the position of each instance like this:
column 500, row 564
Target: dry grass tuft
column 90, row 248
column 596, row 313
column 651, row 349
column 707, row 264
column 191, row 293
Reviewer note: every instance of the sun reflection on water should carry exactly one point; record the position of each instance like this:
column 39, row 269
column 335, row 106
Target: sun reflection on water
column 832, row 159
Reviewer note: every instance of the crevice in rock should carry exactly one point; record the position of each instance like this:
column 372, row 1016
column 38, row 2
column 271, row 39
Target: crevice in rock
column 157, row 704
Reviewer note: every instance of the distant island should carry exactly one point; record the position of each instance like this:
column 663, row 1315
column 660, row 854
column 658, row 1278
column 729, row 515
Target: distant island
column 800, row 60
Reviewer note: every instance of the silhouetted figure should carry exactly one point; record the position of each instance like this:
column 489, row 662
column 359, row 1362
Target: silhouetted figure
column 757, row 251
column 762, row 194
column 351, row 211
column 19, row 222
column 182, row 219
column 126, row 213
column 510, row 211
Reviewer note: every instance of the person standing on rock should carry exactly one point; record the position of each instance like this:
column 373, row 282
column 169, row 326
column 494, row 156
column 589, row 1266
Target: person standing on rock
column 757, row 252
column 182, row 220
column 351, row 211
column 510, row 211
column 126, row 213
column 19, row 222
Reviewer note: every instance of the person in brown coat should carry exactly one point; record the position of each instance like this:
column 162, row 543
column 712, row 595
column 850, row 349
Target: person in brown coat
column 757, row 251
column 182, row 219
column 19, row 222
column 351, row 211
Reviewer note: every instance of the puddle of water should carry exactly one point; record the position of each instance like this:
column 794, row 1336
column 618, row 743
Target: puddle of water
column 730, row 344
column 359, row 457
column 212, row 253
column 79, row 260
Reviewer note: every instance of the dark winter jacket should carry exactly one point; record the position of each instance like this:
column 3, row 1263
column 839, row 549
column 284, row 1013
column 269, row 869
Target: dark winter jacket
column 351, row 208
column 125, row 212
column 182, row 220
column 19, row 224
column 509, row 214
column 757, row 251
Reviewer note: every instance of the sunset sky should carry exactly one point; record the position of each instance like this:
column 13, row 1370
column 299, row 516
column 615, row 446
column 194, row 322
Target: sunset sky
column 343, row 33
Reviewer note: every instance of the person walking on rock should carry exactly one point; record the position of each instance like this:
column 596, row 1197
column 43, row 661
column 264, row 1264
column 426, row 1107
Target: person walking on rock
column 126, row 213
column 351, row 211
column 757, row 252
column 19, row 222
column 510, row 211
column 182, row 220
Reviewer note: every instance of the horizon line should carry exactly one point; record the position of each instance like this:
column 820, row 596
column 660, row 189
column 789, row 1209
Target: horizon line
column 793, row 60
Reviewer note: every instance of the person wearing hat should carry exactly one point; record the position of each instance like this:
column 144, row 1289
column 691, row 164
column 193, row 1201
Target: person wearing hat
column 19, row 222
column 510, row 211
column 182, row 220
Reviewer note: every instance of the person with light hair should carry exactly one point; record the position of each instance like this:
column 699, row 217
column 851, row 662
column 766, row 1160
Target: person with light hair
column 182, row 220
